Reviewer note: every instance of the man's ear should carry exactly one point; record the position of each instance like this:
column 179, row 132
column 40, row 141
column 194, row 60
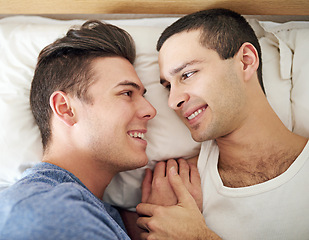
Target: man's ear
column 60, row 104
column 250, row 60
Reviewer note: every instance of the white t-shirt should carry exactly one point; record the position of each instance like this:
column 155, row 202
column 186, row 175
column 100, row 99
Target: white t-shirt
column 276, row 209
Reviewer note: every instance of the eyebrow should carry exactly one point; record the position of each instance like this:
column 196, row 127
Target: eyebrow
column 183, row 66
column 133, row 84
column 180, row 68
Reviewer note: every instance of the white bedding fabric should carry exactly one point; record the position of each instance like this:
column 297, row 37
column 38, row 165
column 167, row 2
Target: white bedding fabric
column 285, row 49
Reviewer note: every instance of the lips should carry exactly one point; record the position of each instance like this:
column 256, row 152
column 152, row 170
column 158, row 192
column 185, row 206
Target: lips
column 195, row 113
column 137, row 134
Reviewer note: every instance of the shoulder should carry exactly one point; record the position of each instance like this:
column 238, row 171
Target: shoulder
column 64, row 211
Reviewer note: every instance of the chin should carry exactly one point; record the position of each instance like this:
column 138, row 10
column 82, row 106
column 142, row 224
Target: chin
column 198, row 138
column 138, row 163
column 144, row 162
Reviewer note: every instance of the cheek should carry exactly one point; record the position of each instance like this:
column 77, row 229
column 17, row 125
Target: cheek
column 117, row 112
column 205, row 85
column 228, row 106
column 179, row 114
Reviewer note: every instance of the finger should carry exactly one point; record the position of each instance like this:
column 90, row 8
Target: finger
column 159, row 170
column 146, row 185
column 193, row 160
column 195, row 180
column 183, row 195
column 145, row 209
column 171, row 163
column 194, row 175
column 184, row 171
column 142, row 222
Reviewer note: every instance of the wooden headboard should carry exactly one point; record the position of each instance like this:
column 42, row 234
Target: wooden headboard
column 248, row 7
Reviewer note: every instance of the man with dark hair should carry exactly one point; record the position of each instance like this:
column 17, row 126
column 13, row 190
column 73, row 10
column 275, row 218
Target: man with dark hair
column 90, row 108
column 255, row 173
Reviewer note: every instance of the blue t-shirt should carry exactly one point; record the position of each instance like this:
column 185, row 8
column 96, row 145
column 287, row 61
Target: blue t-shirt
column 51, row 203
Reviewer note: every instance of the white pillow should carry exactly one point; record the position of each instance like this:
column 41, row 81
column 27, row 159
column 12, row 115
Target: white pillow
column 300, row 75
column 291, row 41
column 285, row 72
column 295, row 36
column 21, row 40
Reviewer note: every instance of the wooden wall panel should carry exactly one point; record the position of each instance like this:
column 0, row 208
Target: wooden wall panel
column 249, row 7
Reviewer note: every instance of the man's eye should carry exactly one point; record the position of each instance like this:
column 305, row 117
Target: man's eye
column 168, row 86
column 165, row 84
column 187, row 75
column 128, row 93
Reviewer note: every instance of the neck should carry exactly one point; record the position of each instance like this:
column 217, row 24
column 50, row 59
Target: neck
column 94, row 177
column 260, row 149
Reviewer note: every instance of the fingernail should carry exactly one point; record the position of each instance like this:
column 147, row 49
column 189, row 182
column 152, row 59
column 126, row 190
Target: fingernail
column 173, row 171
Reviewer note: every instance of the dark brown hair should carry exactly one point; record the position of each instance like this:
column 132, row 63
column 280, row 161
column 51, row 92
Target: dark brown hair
column 222, row 30
column 65, row 65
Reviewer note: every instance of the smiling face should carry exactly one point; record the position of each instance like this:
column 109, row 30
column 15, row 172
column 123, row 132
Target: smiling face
column 113, row 125
column 205, row 91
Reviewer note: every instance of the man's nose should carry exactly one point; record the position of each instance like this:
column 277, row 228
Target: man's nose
column 149, row 112
column 177, row 98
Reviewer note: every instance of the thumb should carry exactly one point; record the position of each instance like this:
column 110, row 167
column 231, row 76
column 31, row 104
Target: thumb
column 182, row 194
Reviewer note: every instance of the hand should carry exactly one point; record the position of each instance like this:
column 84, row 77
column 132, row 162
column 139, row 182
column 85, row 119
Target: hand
column 181, row 221
column 156, row 188
column 191, row 179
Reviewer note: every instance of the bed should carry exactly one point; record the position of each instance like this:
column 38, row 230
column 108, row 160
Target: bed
column 27, row 26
